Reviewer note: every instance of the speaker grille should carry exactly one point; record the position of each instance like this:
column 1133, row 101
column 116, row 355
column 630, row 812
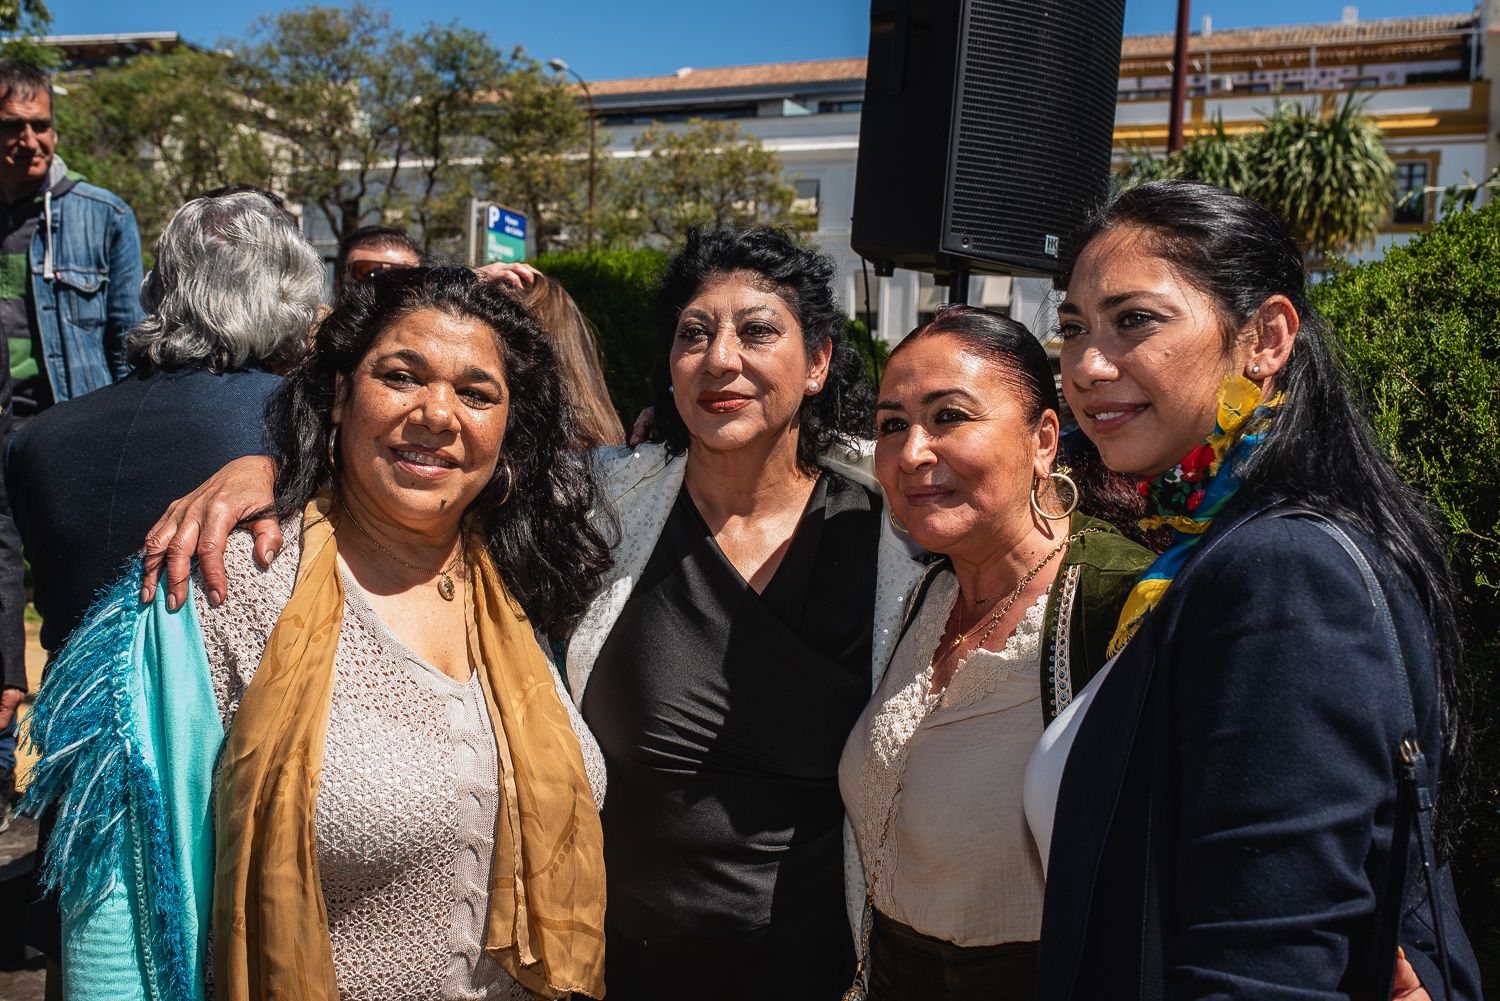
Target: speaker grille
column 1035, row 124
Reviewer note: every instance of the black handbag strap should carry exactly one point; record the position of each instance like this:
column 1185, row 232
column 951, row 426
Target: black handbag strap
column 1414, row 800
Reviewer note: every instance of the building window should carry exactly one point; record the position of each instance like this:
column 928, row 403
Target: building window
column 1411, row 176
column 806, row 202
column 840, row 107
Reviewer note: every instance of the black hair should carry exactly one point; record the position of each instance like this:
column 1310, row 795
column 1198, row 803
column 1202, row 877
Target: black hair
column 1240, row 254
column 803, row 279
column 1102, row 493
column 373, row 236
column 540, row 536
column 18, row 77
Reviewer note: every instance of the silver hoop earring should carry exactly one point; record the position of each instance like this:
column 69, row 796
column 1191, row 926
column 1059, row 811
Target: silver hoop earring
column 333, row 444
column 1060, row 473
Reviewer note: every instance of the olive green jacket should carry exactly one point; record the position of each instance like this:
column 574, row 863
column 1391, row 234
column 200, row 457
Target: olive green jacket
column 1096, row 576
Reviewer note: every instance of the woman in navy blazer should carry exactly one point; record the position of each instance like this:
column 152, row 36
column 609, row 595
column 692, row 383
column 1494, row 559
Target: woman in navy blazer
column 1226, row 792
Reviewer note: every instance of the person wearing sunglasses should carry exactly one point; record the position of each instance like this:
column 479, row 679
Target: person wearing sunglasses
column 370, row 250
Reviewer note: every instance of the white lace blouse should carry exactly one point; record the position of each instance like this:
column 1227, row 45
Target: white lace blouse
column 405, row 815
column 958, row 862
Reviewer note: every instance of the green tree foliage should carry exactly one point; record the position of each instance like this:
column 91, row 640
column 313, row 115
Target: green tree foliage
column 450, row 71
column 323, row 82
column 709, row 174
column 614, row 289
column 1421, row 332
column 536, row 136
column 162, row 129
column 385, row 126
column 24, row 22
column 1328, row 175
column 1212, row 157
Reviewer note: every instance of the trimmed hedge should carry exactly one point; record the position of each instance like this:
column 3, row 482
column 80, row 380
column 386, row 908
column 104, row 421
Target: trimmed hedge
column 613, row 289
column 1421, row 333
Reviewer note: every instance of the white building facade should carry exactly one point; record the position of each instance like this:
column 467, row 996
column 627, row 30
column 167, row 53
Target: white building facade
column 1426, row 81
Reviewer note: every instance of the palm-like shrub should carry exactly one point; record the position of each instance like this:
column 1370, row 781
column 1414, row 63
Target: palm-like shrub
column 1328, row 176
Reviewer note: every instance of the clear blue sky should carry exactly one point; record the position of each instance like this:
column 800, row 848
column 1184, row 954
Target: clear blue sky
column 614, row 38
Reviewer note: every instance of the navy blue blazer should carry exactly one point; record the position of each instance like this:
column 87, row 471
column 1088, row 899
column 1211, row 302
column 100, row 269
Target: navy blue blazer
column 1224, row 822
column 89, row 477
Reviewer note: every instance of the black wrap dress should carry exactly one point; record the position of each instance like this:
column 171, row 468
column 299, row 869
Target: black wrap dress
column 722, row 714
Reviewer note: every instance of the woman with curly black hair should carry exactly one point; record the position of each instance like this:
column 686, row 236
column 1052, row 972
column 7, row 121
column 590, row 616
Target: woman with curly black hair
column 356, row 804
column 731, row 648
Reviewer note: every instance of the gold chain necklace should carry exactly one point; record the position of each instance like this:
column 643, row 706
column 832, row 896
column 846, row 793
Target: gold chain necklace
column 445, row 581
column 994, row 617
column 856, row 991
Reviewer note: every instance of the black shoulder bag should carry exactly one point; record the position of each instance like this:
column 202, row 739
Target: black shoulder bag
column 1414, row 807
column 1414, row 801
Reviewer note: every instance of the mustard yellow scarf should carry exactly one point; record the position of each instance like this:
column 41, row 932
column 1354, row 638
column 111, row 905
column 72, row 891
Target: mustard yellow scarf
column 546, row 907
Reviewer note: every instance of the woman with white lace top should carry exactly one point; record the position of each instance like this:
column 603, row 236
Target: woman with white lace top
column 308, row 787
column 999, row 635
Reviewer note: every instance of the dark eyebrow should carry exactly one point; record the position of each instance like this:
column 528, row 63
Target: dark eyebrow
column 1109, row 302
column 415, row 359
column 405, row 355
column 928, row 399
column 759, row 308
column 476, row 374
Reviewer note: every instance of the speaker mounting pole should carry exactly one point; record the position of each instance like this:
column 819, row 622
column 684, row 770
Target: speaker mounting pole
column 1179, row 76
column 958, row 285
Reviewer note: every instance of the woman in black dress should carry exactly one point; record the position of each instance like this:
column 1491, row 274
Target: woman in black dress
column 731, row 648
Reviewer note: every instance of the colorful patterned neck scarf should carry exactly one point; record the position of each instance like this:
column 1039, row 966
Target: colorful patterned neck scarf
column 1187, row 497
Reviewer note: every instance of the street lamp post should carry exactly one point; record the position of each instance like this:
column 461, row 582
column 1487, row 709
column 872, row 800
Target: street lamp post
column 562, row 67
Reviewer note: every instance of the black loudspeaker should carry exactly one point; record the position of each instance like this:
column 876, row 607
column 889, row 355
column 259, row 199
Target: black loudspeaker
column 986, row 131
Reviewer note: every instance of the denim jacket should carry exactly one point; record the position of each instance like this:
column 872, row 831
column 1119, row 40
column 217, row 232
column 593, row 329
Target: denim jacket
column 85, row 282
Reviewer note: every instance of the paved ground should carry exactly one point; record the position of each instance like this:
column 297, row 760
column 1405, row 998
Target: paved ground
column 21, row 971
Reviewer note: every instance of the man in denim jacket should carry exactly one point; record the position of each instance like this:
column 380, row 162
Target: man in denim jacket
column 70, row 277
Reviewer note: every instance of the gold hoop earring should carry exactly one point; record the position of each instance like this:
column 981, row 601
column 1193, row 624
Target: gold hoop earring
column 510, row 482
column 333, row 444
column 1060, row 473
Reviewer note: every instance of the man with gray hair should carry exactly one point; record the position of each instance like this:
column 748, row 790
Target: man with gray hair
column 232, row 299
column 70, row 268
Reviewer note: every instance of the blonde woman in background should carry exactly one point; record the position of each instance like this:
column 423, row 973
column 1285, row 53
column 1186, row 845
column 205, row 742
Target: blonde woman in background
column 577, row 347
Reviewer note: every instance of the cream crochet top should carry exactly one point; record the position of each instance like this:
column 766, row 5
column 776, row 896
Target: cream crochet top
column 958, row 862
column 406, row 810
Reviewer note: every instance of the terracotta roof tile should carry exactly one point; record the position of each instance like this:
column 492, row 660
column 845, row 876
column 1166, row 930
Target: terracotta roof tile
column 1421, row 32
column 1359, row 33
column 815, row 71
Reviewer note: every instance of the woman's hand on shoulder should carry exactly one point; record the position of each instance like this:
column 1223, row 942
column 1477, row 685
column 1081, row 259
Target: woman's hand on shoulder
column 517, row 275
column 643, row 428
column 199, row 525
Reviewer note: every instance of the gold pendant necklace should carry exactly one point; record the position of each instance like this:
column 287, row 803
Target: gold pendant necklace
column 445, row 585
